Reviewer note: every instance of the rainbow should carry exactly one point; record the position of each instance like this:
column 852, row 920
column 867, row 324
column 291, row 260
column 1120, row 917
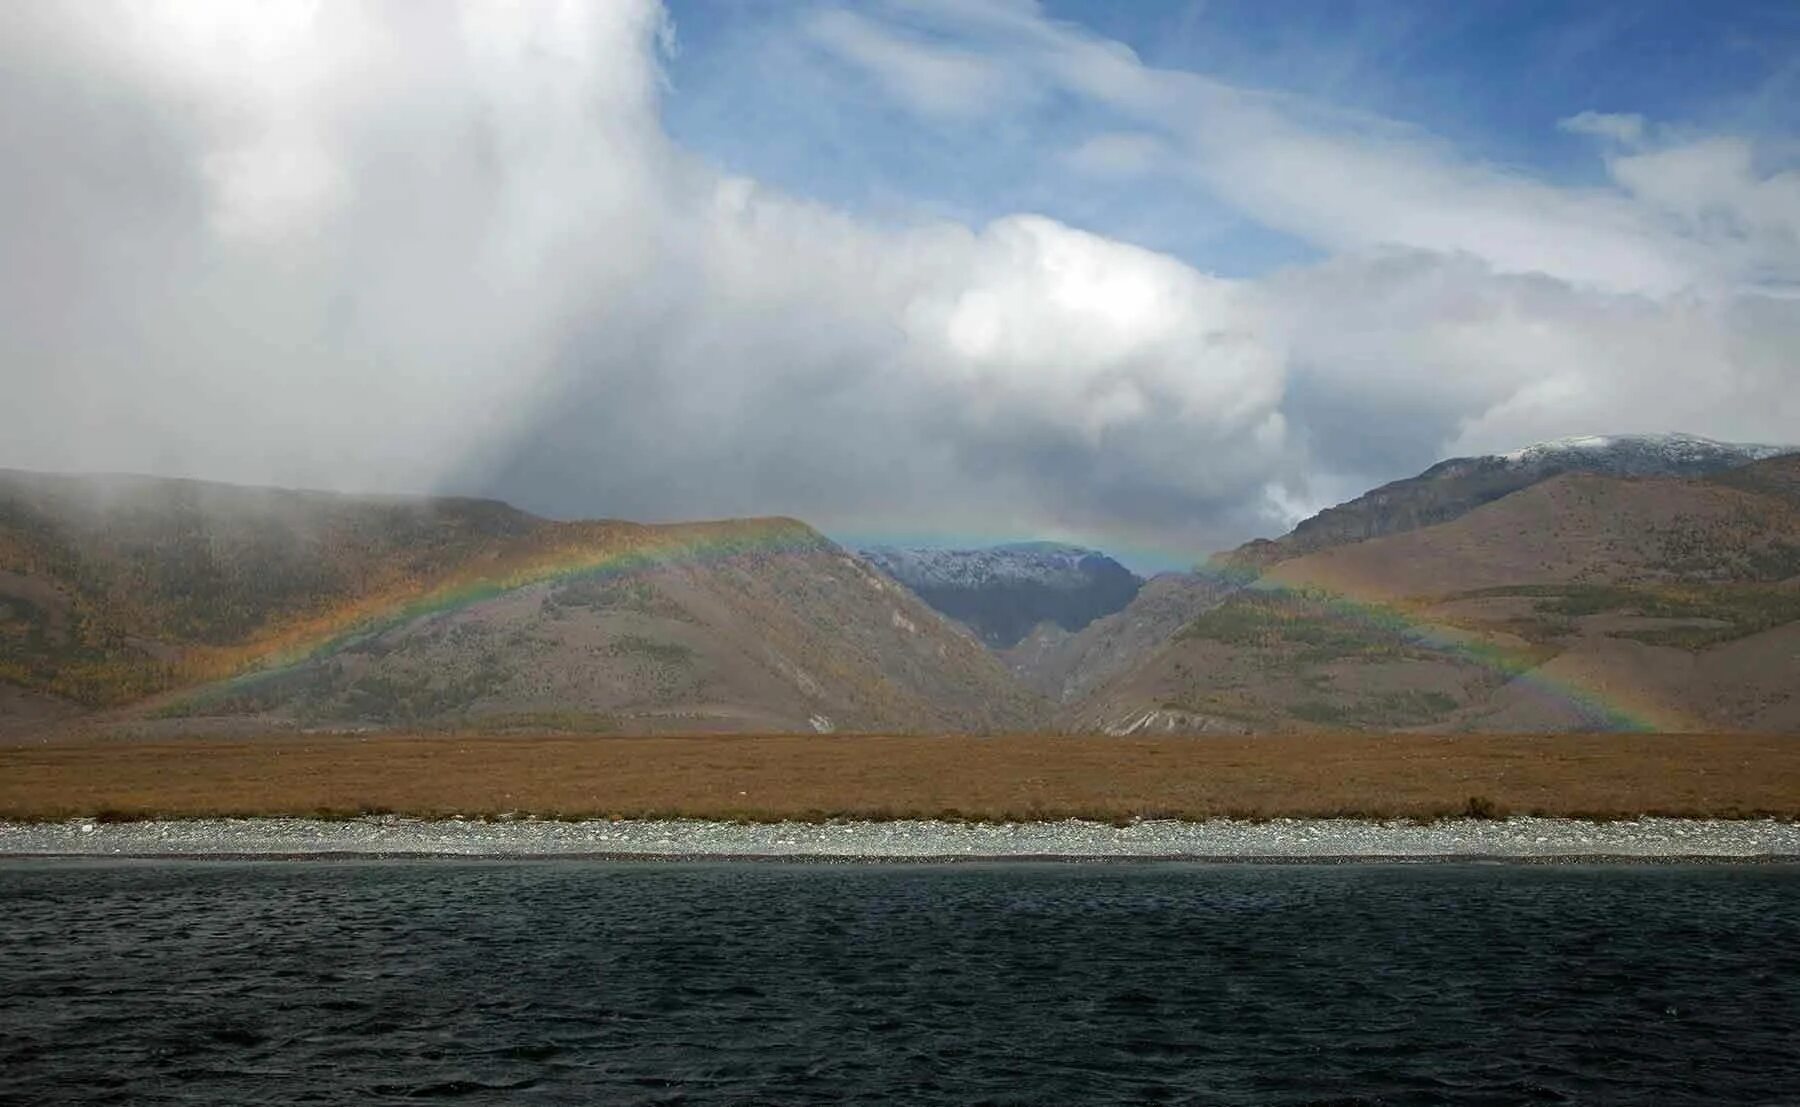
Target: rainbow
column 596, row 551
column 1602, row 705
column 562, row 553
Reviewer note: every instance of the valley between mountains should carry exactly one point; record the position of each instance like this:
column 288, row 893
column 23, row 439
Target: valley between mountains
column 1627, row 583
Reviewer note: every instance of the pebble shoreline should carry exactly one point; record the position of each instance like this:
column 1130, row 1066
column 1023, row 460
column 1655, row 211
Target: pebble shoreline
column 1520, row 838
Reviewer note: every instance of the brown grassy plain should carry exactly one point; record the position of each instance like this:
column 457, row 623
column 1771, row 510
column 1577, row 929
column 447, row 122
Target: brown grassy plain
column 994, row 779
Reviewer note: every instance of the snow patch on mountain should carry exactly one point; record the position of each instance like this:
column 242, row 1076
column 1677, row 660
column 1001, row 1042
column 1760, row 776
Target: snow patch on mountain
column 1003, row 593
column 1052, row 564
column 1642, row 454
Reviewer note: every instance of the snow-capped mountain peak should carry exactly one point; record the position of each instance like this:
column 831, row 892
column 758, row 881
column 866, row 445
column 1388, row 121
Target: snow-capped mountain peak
column 1457, row 485
column 1003, row 592
column 1051, row 564
column 1642, row 454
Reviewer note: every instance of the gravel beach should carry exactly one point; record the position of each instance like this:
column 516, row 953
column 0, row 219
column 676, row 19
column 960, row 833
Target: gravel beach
column 1274, row 840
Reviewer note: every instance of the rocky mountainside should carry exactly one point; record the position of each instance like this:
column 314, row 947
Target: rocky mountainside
column 1582, row 601
column 1004, row 593
column 116, row 587
column 1457, row 486
column 1649, row 583
column 1070, row 667
column 270, row 606
column 1065, row 667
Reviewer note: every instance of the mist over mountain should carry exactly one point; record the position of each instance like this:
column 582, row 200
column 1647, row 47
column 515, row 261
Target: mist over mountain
column 269, row 607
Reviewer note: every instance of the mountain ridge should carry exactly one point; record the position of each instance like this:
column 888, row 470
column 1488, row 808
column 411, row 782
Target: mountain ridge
column 1070, row 669
column 116, row 590
column 1584, row 601
column 1455, row 486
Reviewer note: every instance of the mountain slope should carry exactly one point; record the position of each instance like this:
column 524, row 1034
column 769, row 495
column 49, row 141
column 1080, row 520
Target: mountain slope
column 1004, row 592
column 1580, row 602
column 389, row 611
column 1457, row 486
column 1068, row 668
column 1065, row 667
column 115, row 587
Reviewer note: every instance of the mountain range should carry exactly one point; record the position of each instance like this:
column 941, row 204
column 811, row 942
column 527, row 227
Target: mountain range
column 1597, row 583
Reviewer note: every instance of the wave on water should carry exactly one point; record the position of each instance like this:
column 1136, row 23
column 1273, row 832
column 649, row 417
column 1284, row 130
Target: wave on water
column 579, row 981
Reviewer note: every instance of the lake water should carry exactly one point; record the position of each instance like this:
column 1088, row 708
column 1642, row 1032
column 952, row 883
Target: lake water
column 739, row 982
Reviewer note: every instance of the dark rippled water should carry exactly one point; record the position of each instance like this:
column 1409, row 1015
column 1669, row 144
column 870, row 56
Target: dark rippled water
column 582, row 982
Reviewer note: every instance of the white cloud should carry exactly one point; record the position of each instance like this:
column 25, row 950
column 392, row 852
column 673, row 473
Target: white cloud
column 1464, row 306
column 336, row 246
column 1624, row 128
column 936, row 80
column 285, row 184
column 1119, row 154
column 1095, row 335
column 1712, row 191
column 368, row 246
column 1338, row 179
column 1472, row 361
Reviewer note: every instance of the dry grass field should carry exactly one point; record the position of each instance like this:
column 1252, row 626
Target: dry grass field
column 995, row 779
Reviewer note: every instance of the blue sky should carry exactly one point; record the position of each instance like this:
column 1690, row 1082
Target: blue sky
column 749, row 92
column 1493, row 79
